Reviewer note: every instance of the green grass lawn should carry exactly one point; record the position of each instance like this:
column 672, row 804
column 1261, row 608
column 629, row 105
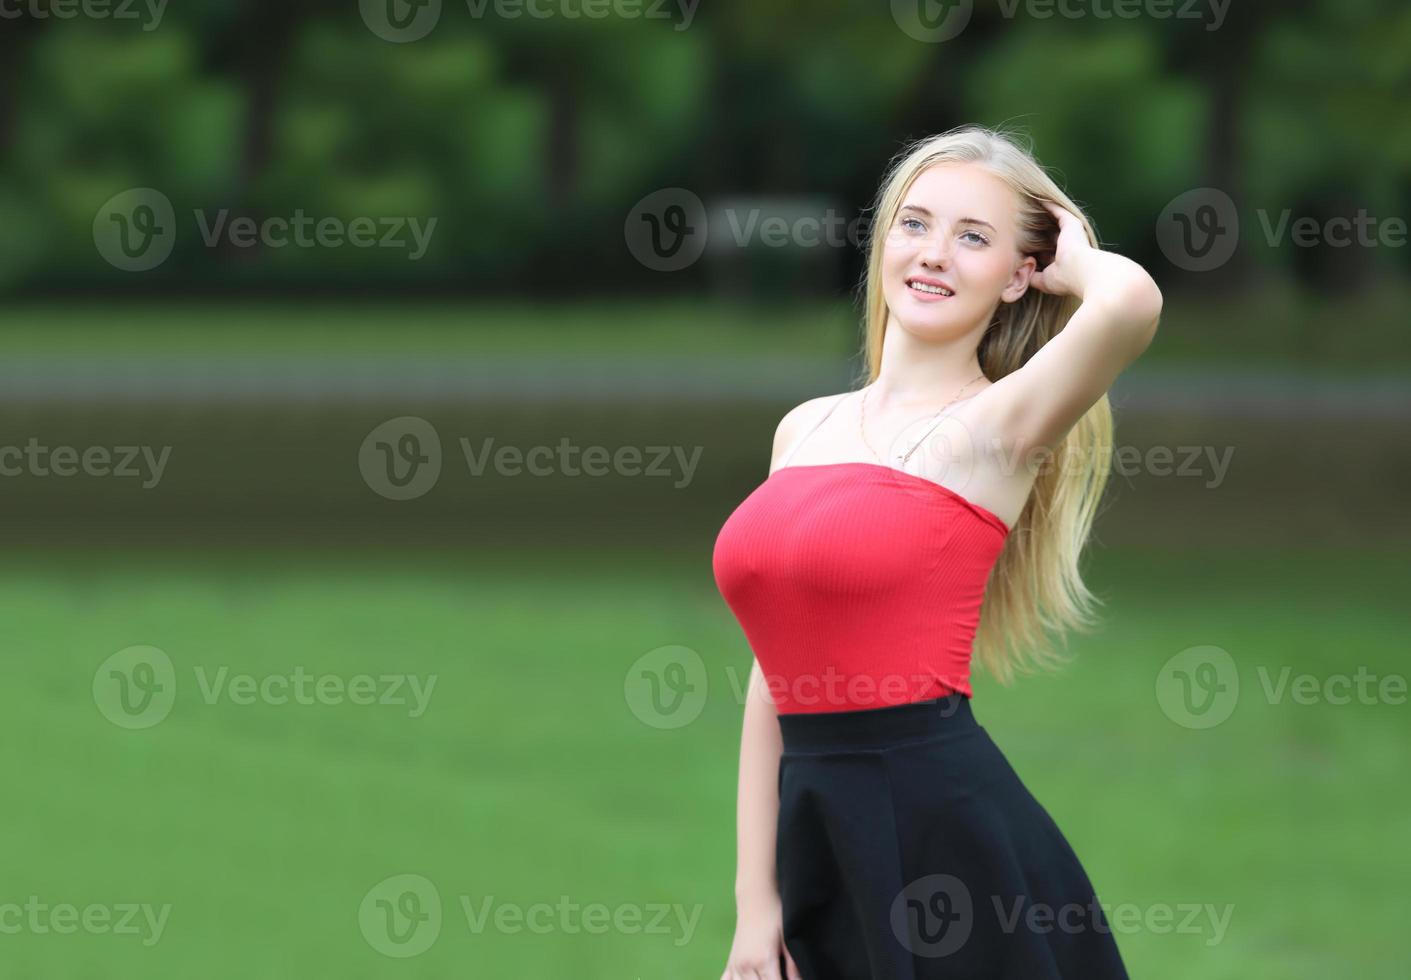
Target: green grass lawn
column 531, row 783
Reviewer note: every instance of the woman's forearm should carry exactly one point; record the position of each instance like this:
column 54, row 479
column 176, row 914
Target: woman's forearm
column 757, row 805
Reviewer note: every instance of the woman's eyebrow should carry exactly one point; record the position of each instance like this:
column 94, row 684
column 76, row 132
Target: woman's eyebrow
column 963, row 221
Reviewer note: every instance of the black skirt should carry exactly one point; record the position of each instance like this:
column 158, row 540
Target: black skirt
column 908, row 849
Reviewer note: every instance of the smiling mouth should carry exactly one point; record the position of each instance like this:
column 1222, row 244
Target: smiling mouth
column 929, row 289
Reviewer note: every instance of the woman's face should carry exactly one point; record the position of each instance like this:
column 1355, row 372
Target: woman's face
column 953, row 252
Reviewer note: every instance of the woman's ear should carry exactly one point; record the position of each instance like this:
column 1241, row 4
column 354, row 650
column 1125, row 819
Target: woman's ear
column 1018, row 283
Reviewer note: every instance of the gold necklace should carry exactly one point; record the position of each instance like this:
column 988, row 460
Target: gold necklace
column 862, row 422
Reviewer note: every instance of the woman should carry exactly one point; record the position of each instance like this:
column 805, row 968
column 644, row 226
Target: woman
column 881, row 834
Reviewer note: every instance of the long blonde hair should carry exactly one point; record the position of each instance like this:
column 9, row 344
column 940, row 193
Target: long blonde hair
column 1036, row 586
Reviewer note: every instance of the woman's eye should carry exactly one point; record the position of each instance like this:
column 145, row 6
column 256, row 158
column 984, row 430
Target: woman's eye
column 978, row 237
column 910, row 223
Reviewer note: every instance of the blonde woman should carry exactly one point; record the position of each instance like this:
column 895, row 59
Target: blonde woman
column 882, row 835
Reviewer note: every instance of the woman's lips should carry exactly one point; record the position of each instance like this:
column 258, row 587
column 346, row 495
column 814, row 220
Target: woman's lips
column 924, row 296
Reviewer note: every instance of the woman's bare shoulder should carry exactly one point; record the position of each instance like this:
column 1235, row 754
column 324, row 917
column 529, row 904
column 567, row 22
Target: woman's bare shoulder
column 798, row 420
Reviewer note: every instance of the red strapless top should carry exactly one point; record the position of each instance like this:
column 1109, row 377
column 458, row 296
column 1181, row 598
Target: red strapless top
column 857, row 585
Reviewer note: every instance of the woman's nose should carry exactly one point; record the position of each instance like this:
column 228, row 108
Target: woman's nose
column 937, row 252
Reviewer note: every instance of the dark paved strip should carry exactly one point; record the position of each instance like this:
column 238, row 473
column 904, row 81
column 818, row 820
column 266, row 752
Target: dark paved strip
column 692, row 379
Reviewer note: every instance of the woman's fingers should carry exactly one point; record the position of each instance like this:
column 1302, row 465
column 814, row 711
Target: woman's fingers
column 791, row 968
column 1039, row 282
column 1062, row 214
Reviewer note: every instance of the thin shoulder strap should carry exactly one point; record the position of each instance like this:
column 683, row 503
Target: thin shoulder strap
column 795, row 448
column 935, row 422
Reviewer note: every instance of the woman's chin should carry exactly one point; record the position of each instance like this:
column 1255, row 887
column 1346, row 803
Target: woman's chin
column 930, row 325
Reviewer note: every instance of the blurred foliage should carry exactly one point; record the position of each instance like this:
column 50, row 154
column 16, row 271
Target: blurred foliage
column 529, row 139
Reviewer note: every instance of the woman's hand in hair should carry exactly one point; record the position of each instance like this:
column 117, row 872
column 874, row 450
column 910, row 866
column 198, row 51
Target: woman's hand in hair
column 1064, row 276
column 1107, row 279
column 1115, row 286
